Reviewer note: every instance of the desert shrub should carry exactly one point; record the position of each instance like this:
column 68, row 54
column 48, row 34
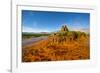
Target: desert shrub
column 64, row 33
column 70, row 35
column 79, row 34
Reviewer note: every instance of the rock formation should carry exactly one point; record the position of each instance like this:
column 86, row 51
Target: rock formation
column 65, row 35
column 64, row 28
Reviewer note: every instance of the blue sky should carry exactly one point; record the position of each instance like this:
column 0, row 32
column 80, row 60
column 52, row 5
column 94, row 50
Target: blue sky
column 46, row 21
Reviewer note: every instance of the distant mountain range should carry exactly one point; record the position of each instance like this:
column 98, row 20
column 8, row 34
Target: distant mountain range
column 36, row 32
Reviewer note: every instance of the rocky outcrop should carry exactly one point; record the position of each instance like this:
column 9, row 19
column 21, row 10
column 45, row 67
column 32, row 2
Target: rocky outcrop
column 65, row 35
column 64, row 28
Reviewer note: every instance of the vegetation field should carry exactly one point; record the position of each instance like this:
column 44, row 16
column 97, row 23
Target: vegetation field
column 59, row 46
column 30, row 35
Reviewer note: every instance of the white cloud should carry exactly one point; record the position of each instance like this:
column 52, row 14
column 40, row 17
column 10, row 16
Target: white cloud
column 87, row 30
column 36, row 30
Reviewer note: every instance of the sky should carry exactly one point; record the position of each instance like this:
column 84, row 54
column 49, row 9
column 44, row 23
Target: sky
column 47, row 21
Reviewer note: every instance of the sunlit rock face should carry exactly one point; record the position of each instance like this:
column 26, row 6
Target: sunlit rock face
column 64, row 28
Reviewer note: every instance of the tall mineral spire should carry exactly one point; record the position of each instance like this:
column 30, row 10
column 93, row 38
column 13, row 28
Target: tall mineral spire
column 64, row 28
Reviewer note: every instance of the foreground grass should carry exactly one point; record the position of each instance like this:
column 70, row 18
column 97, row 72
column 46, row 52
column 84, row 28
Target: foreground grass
column 51, row 50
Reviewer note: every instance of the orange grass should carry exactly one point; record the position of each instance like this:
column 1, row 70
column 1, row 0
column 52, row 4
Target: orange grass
column 46, row 50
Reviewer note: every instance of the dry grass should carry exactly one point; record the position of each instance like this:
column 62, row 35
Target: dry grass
column 46, row 50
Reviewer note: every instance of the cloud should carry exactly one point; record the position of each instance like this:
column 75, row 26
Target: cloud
column 36, row 30
column 87, row 30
